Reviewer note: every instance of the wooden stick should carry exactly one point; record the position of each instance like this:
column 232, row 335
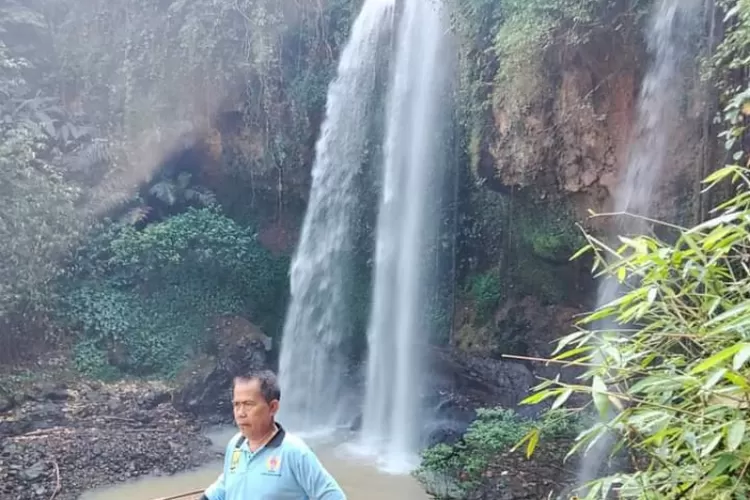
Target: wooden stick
column 182, row 495
column 58, row 484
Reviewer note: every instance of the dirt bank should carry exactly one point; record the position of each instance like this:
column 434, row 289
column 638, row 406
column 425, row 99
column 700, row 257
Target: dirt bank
column 59, row 438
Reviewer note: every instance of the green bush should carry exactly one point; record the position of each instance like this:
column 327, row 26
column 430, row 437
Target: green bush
column 143, row 299
column 452, row 471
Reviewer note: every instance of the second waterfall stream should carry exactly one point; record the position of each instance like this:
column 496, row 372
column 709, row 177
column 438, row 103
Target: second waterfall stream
column 312, row 360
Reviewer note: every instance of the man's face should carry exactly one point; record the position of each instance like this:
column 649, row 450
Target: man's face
column 253, row 414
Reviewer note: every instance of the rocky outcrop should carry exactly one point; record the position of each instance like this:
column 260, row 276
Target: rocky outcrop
column 204, row 386
column 474, row 381
column 461, row 383
column 573, row 141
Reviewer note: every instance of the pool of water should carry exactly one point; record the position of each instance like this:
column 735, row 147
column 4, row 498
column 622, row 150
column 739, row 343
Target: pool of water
column 359, row 476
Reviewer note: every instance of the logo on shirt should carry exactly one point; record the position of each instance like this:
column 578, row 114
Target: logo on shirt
column 235, row 460
column 273, row 465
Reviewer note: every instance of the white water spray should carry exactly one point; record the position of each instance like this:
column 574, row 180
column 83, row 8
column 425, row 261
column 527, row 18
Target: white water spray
column 672, row 24
column 407, row 215
column 312, row 365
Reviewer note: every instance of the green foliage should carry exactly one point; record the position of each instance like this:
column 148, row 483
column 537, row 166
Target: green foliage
column 142, row 299
column 530, row 242
column 39, row 223
column 674, row 368
column 544, row 235
column 452, row 471
column 554, row 240
column 730, row 58
column 92, row 360
column 486, row 291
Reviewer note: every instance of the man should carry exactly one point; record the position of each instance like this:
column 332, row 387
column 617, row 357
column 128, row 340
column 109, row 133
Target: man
column 263, row 461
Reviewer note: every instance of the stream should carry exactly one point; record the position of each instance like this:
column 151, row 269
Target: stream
column 360, row 478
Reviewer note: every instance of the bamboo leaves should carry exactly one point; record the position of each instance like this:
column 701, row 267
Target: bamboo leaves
column 668, row 367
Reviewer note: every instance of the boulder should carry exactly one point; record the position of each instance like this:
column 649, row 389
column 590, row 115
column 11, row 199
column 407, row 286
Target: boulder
column 204, row 388
column 152, row 399
column 471, row 382
column 51, row 391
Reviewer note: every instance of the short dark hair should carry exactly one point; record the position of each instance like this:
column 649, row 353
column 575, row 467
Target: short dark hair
column 269, row 384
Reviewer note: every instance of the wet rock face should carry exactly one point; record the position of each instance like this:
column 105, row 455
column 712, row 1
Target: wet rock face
column 94, row 436
column 204, row 388
column 462, row 383
column 480, row 381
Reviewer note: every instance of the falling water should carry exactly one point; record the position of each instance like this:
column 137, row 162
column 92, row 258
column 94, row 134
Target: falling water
column 672, row 25
column 311, row 364
column 391, row 422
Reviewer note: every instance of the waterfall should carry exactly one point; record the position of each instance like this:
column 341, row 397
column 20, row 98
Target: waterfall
column 407, row 217
column 312, row 365
column 672, row 24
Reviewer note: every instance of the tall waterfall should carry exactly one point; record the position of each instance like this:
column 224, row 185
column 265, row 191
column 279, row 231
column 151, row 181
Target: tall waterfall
column 407, row 216
column 311, row 364
column 671, row 27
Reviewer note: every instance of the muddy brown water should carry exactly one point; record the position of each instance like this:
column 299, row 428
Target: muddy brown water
column 360, row 478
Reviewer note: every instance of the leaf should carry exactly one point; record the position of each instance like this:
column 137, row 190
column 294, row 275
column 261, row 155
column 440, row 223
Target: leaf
column 735, row 434
column 709, row 447
column 646, row 383
column 742, row 356
column 572, row 352
column 616, row 401
column 538, row 397
column 714, row 379
column 622, row 273
column 580, row 252
column 714, row 360
column 737, row 310
column 731, row 13
column 568, row 339
column 533, row 441
column 737, row 380
column 561, row 399
column 601, row 401
column 725, row 462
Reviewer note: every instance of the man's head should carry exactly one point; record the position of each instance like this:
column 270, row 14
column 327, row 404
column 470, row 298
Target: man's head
column 255, row 399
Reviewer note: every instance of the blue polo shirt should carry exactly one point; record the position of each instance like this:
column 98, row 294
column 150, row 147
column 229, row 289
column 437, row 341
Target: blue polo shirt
column 284, row 469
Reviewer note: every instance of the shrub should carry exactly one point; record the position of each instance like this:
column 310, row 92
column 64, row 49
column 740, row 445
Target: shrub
column 143, row 299
column 452, row 471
